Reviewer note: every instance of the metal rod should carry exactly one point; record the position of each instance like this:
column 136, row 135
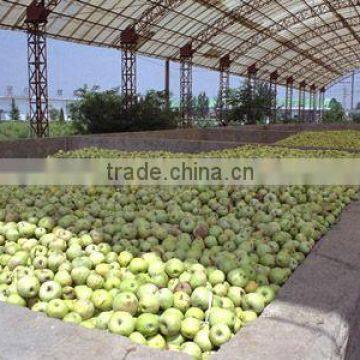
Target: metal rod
column 352, row 89
column 315, row 108
column 299, row 106
column 167, row 83
column 291, row 100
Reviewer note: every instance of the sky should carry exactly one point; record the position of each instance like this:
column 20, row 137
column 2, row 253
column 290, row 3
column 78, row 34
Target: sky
column 71, row 65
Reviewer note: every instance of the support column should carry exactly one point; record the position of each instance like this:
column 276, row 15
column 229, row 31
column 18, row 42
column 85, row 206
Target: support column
column 186, row 112
column 128, row 67
column 313, row 103
column 315, row 106
column 289, row 98
column 352, row 89
column 302, row 98
column 167, row 83
column 273, row 93
column 321, row 103
column 224, row 86
column 252, row 78
column 36, row 19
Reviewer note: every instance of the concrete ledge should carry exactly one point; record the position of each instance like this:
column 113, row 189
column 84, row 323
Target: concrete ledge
column 33, row 336
column 317, row 313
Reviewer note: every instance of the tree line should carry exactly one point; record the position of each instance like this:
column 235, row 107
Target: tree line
column 97, row 111
column 54, row 114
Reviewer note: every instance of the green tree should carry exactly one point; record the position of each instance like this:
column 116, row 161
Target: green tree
column 250, row 105
column 104, row 111
column 61, row 116
column 14, row 111
column 54, row 114
column 355, row 116
column 202, row 105
column 335, row 113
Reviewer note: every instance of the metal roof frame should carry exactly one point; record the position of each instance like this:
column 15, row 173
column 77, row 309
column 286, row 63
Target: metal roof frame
column 315, row 41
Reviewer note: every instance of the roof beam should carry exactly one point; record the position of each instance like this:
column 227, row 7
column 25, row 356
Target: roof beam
column 76, row 18
column 316, row 12
column 150, row 16
column 349, row 49
column 50, row 6
column 263, row 32
column 220, row 24
column 310, row 35
column 343, row 65
column 343, row 20
column 298, row 18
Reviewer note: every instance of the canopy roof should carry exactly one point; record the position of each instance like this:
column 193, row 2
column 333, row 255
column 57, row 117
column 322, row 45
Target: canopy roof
column 315, row 41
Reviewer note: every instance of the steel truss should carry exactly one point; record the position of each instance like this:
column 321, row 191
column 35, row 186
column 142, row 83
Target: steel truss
column 224, row 87
column 313, row 104
column 273, row 93
column 186, row 109
column 36, row 19
column 222, row 23
column 302, row 100
column 331, row 43
column 289, row 99
column 264, row 33
column 128, row 67
column 299, row 18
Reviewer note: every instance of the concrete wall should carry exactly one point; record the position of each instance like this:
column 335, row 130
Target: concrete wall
column 250, row 133
column 179, row 140
column 38, row 148
column 316, row 316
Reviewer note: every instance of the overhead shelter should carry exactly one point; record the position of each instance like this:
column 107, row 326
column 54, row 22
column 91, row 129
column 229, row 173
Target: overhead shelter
column 315, row 41
column 310, row 41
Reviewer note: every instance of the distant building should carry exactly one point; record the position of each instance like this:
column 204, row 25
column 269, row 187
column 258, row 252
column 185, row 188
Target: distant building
column 22, row 102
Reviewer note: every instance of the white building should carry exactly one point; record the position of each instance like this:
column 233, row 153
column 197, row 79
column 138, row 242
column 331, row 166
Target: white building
column 22, row 102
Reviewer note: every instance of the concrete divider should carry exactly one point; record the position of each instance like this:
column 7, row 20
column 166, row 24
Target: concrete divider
column 315, row 317
column 178, row 140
